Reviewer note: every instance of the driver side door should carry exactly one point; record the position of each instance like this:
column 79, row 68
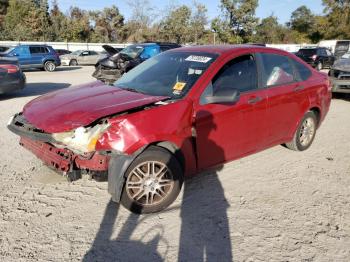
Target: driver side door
column 228, row 131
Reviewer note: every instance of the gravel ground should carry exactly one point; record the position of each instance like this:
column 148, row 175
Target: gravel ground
column 277, row 205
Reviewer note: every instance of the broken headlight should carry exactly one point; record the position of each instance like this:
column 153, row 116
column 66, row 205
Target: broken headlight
column 82, row 139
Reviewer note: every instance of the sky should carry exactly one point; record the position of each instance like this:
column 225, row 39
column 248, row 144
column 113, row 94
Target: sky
column 280, row 8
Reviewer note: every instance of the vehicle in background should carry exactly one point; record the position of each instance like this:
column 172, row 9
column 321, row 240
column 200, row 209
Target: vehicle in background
column 317, row 57
column 341, row 48
column 111, row 68
column 34, row 56
column 340, row 74
column 175, row 115
column 11, row 75
column 81, row 57
column 61, row 52
column 338, row 47
column 110, row 50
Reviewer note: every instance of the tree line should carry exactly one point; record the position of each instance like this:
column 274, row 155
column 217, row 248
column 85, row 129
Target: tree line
column 36, row 20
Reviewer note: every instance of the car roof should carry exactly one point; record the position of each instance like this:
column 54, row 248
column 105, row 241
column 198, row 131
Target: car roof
column 224, row 49
column 36, row 45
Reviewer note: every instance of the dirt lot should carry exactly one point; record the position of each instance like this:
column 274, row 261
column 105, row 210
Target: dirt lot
column 277, row 205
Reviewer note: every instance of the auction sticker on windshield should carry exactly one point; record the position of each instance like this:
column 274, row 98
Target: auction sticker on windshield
column 200, row 59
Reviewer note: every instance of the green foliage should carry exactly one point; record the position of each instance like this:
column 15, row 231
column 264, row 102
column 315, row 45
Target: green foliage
column 3, row 10
column 33, row 20
column 302, row 20
column 108, row 25
column 338, row 16
column 176, row 26
column 239, row 19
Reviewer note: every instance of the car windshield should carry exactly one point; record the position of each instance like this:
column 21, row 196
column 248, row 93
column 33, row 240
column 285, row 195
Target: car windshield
column 76, row 52
column 132, row 51
column 170, row 74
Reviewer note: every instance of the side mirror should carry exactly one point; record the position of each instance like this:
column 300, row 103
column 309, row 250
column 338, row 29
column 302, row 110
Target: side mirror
column 223, row 96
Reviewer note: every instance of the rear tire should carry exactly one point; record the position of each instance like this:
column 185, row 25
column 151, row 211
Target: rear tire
column 73, row 62
column 49, row 66
column 305, row 134
column 153, row 181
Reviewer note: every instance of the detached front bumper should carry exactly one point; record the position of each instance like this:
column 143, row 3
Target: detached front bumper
column 42, row 145
column 64, row 160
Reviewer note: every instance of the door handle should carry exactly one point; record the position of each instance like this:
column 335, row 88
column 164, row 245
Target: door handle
column 298, row 88
column 254, row 100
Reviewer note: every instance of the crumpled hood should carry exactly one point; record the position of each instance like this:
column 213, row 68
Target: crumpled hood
column 67, row 109
column 342, row 65
column 68, row 57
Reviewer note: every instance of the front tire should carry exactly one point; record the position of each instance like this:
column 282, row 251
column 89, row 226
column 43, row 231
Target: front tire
column 305, row 134
column 49, row 66
column 153, row 181
column 73, row 62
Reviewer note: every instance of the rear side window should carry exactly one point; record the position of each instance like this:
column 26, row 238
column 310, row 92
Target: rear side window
column 38, row 50
column 307, row 52
column 277, row 70
column 303, row 72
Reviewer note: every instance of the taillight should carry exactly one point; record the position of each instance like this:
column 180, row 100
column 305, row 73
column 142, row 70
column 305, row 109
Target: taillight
column 10, row 68
column 314, row 57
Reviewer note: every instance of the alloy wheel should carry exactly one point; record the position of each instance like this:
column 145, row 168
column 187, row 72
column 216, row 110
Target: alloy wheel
column 149, row 183
column 307, row 131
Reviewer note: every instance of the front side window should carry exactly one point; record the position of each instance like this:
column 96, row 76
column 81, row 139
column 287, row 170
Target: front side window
column 277, row 70
column 240, row 73
column 169, row 74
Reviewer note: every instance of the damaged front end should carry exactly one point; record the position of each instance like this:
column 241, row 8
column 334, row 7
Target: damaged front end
column 70, row 152
column 340, row 76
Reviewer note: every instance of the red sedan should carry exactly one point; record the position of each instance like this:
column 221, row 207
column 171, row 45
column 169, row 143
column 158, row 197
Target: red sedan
column 178, row 113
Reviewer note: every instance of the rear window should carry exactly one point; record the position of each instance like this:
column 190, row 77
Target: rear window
column 277, row 70
column 303, row 72
column 307, row 52
column 38, row 50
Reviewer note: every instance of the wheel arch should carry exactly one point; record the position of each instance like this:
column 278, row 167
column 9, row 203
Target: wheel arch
column 317, row 111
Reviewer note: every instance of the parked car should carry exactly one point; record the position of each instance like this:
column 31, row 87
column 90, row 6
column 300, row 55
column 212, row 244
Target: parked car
column 317, row 57
column 34, row 56
column 61, row 52
column 340, row 74
column 11, row 75
column 111, row 68
column 176, row 114
column 81, row 57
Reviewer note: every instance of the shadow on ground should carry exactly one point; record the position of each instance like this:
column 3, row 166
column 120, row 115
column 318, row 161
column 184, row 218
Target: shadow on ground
column 34, row 89
column 58, row 69
column 204, row 232
column 341, row 96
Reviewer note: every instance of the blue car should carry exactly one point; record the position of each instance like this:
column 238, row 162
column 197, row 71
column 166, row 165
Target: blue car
column 34, row 56
column 118, row 62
